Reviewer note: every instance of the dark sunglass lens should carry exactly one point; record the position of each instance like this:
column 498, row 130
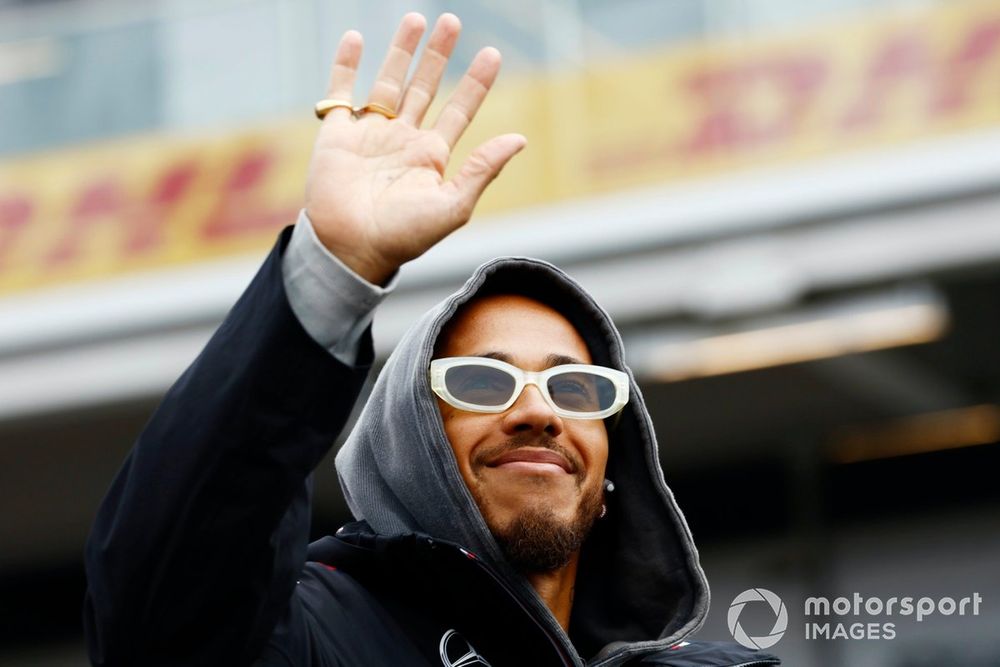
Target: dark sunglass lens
column 479, row 385
column 582, row 392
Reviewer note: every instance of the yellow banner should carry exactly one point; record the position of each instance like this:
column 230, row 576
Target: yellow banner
column 866, row 82
column 149, row 202
column 682, row 113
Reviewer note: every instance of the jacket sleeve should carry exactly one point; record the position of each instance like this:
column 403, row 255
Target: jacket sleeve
column 195, row 550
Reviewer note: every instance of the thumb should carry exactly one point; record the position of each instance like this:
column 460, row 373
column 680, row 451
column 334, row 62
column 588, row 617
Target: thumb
column 481, row 167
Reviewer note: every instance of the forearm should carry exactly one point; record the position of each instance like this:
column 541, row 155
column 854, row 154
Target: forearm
column 195, row 549
column 334, row 304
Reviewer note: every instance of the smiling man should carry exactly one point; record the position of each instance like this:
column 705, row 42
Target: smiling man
column 503, row 475
column 504, row 430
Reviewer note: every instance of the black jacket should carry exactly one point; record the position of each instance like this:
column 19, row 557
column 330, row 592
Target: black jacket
column 199, row 555
column 366, row 599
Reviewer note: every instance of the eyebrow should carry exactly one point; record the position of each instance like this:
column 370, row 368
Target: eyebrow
column 550, row 361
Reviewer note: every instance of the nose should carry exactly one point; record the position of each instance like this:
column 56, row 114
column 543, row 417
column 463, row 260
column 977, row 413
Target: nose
column 531, row 413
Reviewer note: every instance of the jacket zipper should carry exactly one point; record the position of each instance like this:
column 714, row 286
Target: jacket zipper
column 548, row 635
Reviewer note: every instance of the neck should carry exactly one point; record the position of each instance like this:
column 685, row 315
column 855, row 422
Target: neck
column 556, row 589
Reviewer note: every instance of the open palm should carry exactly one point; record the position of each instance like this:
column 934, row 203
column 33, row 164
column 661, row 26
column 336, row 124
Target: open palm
column 376, row 192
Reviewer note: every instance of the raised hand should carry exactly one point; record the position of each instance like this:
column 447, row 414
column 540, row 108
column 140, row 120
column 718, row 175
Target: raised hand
column 375, row 191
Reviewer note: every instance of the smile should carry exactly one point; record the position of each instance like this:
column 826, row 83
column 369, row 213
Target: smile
column 533, row 460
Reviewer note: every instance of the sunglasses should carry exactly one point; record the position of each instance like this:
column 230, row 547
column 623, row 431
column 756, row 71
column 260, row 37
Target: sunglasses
column 576, row 391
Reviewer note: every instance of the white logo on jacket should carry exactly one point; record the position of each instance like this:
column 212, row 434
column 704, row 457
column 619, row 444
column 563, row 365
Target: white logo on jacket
column 456, row 651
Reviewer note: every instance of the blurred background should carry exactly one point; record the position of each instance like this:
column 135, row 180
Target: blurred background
column 792, row 210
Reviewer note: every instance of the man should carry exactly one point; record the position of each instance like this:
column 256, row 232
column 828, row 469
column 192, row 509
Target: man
column 504, row 473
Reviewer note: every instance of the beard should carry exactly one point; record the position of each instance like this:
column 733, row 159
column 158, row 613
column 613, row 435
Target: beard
column 538, row 541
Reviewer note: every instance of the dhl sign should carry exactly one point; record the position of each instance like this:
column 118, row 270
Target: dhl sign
column 143, row 203
column 871, row 81
column 867, row 82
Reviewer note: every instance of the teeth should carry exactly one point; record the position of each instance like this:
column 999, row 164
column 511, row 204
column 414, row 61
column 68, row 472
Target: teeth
column 545, row 465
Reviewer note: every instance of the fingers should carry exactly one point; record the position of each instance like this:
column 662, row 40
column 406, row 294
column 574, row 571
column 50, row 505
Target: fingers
column 344, row 71
column 424, row 83
column 480, row 168
column 388, row 86
column 464, row 102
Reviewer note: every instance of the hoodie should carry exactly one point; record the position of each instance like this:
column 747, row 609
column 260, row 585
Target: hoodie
column 639, row 588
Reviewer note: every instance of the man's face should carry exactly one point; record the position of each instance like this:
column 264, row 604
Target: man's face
column 539, row 512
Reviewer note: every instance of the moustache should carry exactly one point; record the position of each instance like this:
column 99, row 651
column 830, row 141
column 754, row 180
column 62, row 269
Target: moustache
column 485, row 455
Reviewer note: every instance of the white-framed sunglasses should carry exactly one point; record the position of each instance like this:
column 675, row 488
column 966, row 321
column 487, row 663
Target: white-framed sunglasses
column 576, row 391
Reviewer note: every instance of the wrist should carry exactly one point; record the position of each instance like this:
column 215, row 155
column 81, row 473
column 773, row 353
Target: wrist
column 374, row 273
column 368, row 268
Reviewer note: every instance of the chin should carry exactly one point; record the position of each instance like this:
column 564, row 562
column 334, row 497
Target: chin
column 538, row 539
column 507, row 505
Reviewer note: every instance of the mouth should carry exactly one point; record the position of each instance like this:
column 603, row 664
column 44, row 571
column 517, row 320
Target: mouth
column 533, row 460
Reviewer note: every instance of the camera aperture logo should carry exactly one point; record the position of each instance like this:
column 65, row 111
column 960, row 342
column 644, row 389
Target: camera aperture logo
column 780, row 618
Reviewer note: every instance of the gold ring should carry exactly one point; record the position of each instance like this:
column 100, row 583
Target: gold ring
column 323, row 107
column 377, row 108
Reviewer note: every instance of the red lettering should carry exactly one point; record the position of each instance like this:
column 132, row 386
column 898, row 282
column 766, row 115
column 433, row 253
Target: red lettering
column 15, row 213
column 905, row 57
column 148, row 224
column 965, row 66
column 105, row 202
column 729, row 120
column 98, row 201
column 241, row 208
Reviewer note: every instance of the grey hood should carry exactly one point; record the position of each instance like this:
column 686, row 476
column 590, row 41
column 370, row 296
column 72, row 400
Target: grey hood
column 639, row 585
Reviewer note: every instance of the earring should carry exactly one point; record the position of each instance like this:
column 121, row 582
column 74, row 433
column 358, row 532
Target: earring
column 609, row 486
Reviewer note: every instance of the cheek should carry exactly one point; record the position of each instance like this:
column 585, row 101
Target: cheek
column 594, row 444
column 463, row 434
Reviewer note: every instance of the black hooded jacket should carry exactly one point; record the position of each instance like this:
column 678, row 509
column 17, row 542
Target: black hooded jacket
column 199, row 555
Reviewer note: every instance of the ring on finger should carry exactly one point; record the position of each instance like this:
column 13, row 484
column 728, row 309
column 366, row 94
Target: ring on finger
column 376, row 108
column 323, row 107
